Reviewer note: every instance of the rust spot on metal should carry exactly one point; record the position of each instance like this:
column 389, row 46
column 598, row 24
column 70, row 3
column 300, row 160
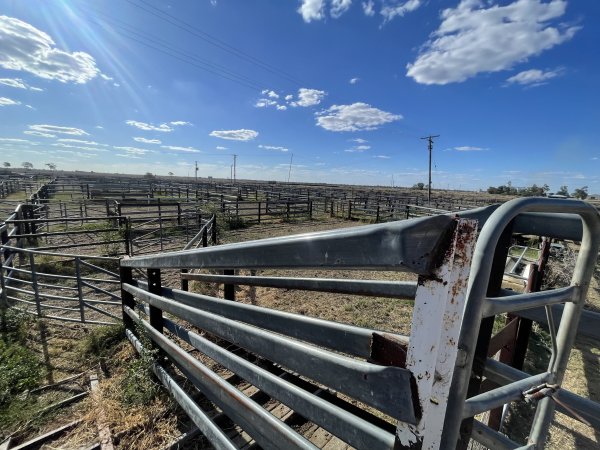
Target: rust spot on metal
column 388, row 350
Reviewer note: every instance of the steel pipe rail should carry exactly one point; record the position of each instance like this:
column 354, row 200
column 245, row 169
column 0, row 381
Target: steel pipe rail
column 341, row 373
column 269, row 431
column 412, row 245
column 520, row 302
column 589, row 220
column 350, row 339
column 373, row 288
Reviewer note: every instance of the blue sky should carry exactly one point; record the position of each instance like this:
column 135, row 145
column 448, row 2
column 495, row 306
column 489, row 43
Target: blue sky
column 347, row 87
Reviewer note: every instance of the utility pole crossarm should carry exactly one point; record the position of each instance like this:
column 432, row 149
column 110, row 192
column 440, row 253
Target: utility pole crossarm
column 430, row 146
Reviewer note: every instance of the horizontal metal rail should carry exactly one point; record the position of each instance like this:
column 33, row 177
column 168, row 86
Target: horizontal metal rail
column 265, row 428
column 519, row 302
column 341, row 373
column 408, row 245
column 373, row 288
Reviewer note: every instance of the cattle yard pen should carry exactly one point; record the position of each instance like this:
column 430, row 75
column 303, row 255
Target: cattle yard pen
column 279, row 379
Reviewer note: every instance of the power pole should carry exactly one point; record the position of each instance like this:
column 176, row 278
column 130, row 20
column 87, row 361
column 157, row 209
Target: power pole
column 430, row 146
column 196, row 172
column 234, row 161
column 290, row 171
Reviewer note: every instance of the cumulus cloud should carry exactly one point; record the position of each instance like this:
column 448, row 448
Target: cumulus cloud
column 359, row 140
column 163, row 127
column 393, row 10
column 264, row 103
column 147, row 141
column 4, row 101
column 312, row 10
column 220, row 147
column 309, row 97
column 355, row 117
column 235, row 135
column 475, row 37
column 354, row 80
column 176, row 148
column 273, row 147
column 26, row 48
column 339, row 7
column 368, row 8
column 180, row 123
column 534, row 77
column 54, row 129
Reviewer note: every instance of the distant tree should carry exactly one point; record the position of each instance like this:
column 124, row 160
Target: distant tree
column 27, row 165
column 170, row 173
column 6, row 164
column 149, row 175
column 419, row 186
column 581, row 193
column 51, row 166
column 564, row 190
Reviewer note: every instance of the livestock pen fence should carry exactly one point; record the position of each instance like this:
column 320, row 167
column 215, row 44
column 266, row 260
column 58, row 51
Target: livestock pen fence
column 299, row 378
column 41, row 279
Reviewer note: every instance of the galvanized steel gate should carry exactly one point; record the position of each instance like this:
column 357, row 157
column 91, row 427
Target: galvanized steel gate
column 428, row 382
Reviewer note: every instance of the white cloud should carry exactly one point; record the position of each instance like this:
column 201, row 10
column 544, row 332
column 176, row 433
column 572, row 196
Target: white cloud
column 382, row 157
column 128, row 155
column 354, row 80
column 13, row 82
column 82, row 142
column 271, row 94
column 368, row 8
column 355, row 117
column 235, row 135
column 469, row 148
column 180, row 123
column 79, row 147
column 289, row 97
column 390, row 11
column 4, row 101
column 312, row 10
column 181, row 149
column 281, row 107
column 339, row 7
column 54, row 129
column 359, row 140
column 358, row 149
column 133, row 150
column 163, row 127
column 147, row 141
column 273, row 147
column 309, row 97
column 473, row 39
column 17, row 141
column 220, row 147
column 26, row 48
column 534, row 77
column 39, row 133
column 264, row 102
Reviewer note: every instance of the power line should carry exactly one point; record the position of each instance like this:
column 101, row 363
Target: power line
column 147, row 40
column 194, row 30
column 430, row 146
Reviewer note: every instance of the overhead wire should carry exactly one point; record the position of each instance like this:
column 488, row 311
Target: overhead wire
column 212, row 40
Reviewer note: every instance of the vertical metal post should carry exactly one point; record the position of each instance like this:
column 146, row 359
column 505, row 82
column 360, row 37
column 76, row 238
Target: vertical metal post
column 229, row 289
column 213, row 229
column 126, row 275
column 184, row 282
column 155, row 287
column 433, row 346
column 259, row 206
column 34, row 284
column 79, row 288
